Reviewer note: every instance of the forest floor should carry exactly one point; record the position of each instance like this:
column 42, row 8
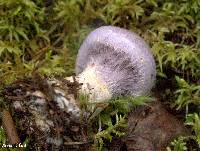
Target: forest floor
column 150, row 127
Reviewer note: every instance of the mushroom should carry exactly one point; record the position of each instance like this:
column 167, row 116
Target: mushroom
column 113, row 61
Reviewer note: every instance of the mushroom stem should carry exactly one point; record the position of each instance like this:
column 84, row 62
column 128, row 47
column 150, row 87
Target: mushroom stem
column 92, row 85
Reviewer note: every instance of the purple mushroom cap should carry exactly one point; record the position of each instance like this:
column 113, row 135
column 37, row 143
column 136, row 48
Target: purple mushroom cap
column 123, row 60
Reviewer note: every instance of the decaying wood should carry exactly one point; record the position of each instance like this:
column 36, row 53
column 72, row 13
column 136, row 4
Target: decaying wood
column 9, row 127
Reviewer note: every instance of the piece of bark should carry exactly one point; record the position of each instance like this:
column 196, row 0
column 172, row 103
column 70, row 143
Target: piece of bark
column 152, row 128
column 9, row 127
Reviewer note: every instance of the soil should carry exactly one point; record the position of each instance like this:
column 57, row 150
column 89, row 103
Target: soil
column 65, row 130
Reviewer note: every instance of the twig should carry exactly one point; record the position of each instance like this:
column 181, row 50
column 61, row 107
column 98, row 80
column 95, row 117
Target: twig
column 75, row 143
column 9, row 126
